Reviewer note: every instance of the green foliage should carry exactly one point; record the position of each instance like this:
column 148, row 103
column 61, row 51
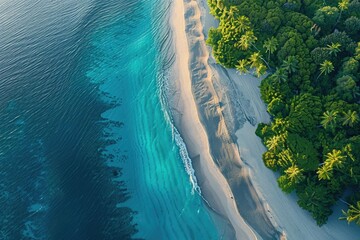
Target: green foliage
column 216, row 7
column 334, row 159
column 214, row 37
column 305, row 112
column 270, row 46
column 275, row 143
column 264, row 130
column 290, row 64
column 326, row 67
column 300, row 22
column 312, row 52
column 333, row 48
column 343, row 5
column 354, row 8
column 277, row 107
column 307, row 156
column 320, row 54
column 353, row 213
column 352, row 25
column 286, row 184
column 290, row 40
column 338, row 37
column 242, row 65
column 326, row 17
column 357, row 52
column 316, row 198
column 350, row 118
column 329, row 119
column 270, row 160
column 272, row 21
column 269, row 89
column 246, row 40
column 325, row 172
column 347, row 88
column 350, row 67
column 295, row 174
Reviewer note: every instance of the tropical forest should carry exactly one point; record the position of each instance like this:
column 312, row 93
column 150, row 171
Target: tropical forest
column 309, row 51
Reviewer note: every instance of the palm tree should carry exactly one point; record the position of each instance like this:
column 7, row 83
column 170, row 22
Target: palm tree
column 343, row 5
column 286, row 158
column 254, row 59
column 246, row 40
column 294, row 174
column 270, row 46
column 326, row 67
column 251, row 36
column 242, row 65
column 273, row 143
column 353, row 213
column 243, row 23
column 260, row 70
column 280, row 75
column 231, row 14
column 333, row 48
column 350, row 118
column 329, row 119
column 334, row 159
column 325, row 172
column 243, row 43
column 290, row 64
column 218, row 6
column 226, row 30
column 281, row 126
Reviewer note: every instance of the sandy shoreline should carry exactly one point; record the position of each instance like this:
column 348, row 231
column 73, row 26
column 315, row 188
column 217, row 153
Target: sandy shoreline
column 213, row 183
column 192, row 54
column 216, row 108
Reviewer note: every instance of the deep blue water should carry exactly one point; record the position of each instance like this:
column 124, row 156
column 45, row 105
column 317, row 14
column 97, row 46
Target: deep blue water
column 87, row 150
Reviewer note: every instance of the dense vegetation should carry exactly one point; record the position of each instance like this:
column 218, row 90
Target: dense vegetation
column 312, row 49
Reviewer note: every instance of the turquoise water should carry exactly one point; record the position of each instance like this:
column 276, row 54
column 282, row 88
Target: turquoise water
column 87, row 148
column 167, row 205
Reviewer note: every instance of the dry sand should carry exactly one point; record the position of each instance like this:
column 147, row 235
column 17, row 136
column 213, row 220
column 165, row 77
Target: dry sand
column 213, row 183
column 194, row 80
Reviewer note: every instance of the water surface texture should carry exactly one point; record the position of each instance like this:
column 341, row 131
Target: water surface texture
column 87, row 150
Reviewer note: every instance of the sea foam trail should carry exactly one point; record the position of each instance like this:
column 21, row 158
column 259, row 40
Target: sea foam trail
column 163, row 90
column 167, row 60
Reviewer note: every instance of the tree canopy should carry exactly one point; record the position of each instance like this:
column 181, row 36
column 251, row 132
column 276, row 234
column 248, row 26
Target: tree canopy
column 312, row 51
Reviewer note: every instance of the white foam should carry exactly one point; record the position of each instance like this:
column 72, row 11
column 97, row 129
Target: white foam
column 162, row 90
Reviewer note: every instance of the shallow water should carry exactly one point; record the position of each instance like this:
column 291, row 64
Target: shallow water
column 87, row 149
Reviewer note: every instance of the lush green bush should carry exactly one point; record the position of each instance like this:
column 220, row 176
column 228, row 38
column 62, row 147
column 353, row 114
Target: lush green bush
column 352, row 25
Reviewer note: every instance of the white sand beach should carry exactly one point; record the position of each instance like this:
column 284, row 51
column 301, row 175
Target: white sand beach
column 194, row 134
column 217, row 106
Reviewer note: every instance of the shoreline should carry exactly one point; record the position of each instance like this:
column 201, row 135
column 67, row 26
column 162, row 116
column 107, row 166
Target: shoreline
column 212, row 101
column 198, row 116
column 213, row 184
column 228, row 108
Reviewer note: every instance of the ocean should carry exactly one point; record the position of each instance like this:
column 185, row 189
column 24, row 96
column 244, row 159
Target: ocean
column 88, row 149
